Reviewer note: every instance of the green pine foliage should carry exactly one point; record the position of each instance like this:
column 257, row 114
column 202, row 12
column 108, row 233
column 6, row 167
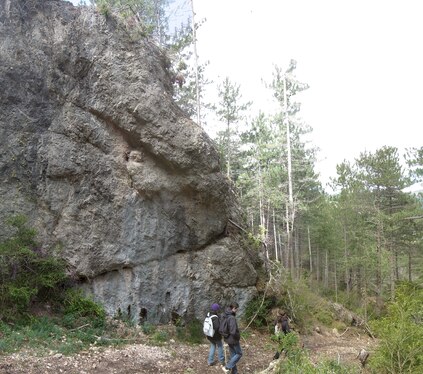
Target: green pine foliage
column 401, row 333
column 28, row 273
column 144, row 16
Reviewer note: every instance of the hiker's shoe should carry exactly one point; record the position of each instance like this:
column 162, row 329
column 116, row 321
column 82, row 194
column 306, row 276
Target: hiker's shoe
column 225, row 370
column 211, row 363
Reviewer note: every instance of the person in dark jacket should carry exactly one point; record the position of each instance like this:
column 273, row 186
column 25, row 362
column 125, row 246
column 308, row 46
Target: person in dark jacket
column 216, row 340
column 282, row 323
column 232, row 339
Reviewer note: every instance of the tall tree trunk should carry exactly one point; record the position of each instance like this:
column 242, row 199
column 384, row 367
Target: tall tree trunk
column 409, row 266
column 346, row 261
column 267, row 219
column 228, row 150
column 318, row 264
column 379, row 260
column 326, row 282
column 291, row 214
column 280, row 248
column 298, row 256
column 288, row 239
column 364, row 293
column 309, row 251
column 392, row 261
column 396, row 264
column 197, row 80
column 336, row 283
column 275, row 237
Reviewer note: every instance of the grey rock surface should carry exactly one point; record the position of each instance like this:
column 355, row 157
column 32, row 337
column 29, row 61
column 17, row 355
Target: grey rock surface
column 108, row 169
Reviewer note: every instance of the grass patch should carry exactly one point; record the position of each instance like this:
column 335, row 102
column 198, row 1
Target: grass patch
column 56, row 334
column 191, row 333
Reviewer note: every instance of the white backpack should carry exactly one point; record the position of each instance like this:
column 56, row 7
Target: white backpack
column 208, row 325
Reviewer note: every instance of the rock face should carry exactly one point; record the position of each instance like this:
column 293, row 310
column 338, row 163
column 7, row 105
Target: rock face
column 108, row 169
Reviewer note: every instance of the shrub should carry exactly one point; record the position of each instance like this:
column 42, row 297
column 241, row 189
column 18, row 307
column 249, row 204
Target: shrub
column 148, row 328
column 297, row 360
column 81, row 309
column 257, row 311
column 160, row 337
column 27, row 272
column 191, row 333
column 400, row 333
column 298, row 301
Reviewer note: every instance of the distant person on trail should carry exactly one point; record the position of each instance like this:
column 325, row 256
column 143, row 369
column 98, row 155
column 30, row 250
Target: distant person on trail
column 281, row 326
column 282, row 323
column 216, row 339
column 231, row 336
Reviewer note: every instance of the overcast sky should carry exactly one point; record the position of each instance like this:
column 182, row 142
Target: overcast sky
column 362, row 59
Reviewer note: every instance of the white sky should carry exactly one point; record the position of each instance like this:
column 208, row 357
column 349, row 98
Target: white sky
column 363, row 60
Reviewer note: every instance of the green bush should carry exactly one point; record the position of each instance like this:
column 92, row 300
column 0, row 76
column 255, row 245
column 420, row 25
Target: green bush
column 81, row 309
column 300, row 303
column 191, row 333
column 27, row 272
column 297, row 361
column 148, row 328
column 257, row 311
column 160, row 337
column 400, row 333
column 325, row 317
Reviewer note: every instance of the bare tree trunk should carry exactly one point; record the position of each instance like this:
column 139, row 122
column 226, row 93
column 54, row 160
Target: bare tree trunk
column 291, row 211
column 297, row 255
column 317, row 264
column 364, row 293
column 275, row 237
column 336, row 283
column 197, row 80
column 409, row 267
column 288, row 238
column 379, row 261
column 298, row 258
column 392, row 261
column 347, row 267
column 228, row 150
column 309, row 251
column 326, row 282
column 280, row 248
column 397, row 277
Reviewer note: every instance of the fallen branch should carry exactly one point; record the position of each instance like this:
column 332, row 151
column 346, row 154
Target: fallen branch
column 118, row 339
column 258, row 309
column 344, row 331
column 80, row 327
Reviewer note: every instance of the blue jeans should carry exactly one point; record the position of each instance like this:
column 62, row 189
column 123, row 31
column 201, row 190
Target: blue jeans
column 236, row 354
column 220, row 354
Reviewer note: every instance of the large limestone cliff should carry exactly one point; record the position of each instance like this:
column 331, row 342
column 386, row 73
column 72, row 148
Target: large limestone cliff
column 107, row 168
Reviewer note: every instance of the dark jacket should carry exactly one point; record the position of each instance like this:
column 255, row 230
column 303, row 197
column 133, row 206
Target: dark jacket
column 283, row 323
column 234, row 334
column 217, row 336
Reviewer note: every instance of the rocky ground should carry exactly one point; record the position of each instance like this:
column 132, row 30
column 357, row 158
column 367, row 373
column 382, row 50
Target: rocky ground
column 174, row 357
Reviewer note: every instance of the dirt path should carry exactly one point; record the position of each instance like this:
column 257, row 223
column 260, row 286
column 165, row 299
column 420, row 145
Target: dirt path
column 174, row 357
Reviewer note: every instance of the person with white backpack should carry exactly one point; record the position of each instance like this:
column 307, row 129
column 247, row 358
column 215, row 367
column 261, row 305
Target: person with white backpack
column 211, row 330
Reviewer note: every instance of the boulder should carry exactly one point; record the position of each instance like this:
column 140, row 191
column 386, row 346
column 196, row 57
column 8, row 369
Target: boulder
column 109, row 170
